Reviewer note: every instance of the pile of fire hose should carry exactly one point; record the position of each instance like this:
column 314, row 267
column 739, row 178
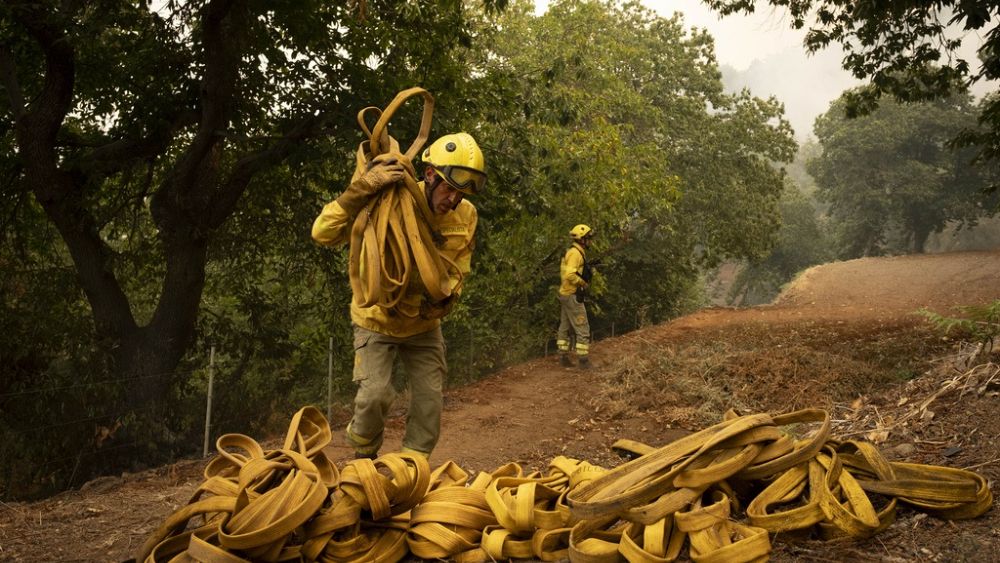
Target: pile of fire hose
column 293, row 503
column 393, row 242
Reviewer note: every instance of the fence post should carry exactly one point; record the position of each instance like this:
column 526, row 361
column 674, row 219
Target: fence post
column 208, row 403
column 329, row 382
column 612, row 329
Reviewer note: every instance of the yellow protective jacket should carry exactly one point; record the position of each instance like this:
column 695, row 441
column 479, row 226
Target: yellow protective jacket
column 458, row 227
column 571, row 268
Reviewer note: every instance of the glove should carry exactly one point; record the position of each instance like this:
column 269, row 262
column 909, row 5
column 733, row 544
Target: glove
column 382, row 171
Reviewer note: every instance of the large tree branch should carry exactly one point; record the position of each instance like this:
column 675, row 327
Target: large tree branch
column 180, row 206
column 110, row 156
column 224, row 32
column 229, row 192
column 42, row 120
column 59, row 192
column 186, row 258
column 8, row 78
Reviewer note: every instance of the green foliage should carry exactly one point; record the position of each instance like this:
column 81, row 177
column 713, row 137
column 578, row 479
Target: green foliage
column 906, row 49
column 42, row 318
column 799, row 176
column 159, row 172
column 129, row 266
column 981, row 323
column 803, row 241
column 890, row 178
column 634, row 138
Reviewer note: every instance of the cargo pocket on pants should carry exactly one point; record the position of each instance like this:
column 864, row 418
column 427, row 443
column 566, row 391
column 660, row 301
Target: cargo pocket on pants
column 362, row 361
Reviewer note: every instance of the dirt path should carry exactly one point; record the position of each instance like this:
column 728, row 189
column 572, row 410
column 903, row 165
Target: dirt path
column 842, row 331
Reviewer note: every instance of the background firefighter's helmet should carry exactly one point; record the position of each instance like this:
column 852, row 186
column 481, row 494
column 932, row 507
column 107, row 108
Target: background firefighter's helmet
column 580, row 232
column 458, row 160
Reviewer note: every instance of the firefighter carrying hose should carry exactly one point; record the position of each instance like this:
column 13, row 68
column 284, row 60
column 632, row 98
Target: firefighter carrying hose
column 575, row 278
column 454, row 168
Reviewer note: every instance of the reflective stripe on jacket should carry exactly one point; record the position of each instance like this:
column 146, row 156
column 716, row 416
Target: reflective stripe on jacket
column 571, row 268
column 458, row 227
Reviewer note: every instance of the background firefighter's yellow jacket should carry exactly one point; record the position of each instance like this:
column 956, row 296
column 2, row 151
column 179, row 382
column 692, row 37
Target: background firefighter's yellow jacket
column 570, row 269
column 458, row 227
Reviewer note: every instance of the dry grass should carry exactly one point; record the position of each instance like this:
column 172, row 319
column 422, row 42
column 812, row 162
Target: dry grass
column 680, row 386
column 760, row 368
column 909, row 411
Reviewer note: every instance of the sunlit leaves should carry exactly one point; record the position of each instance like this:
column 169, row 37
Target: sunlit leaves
column 635, row 138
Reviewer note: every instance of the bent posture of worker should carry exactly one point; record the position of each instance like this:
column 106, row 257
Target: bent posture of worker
column 454, row 168
column 573, row 313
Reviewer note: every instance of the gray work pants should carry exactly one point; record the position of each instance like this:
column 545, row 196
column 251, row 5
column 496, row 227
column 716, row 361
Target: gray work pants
column 423, row 357
column 573, row 316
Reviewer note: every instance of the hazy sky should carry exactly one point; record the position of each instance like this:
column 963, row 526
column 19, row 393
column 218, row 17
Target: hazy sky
column 761, row 52
column 739, row 39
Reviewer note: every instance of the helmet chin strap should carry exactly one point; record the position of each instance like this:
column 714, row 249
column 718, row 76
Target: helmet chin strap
column 429, row 190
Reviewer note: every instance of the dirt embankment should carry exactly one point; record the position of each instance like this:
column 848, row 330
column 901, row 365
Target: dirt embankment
column 898, row 284
column 842, row 337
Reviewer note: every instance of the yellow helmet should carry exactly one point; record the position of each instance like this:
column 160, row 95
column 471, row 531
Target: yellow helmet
column 458, row 160
column 580, row 232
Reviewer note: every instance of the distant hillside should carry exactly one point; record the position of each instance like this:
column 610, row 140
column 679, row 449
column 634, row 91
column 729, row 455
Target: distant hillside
column 936, row 281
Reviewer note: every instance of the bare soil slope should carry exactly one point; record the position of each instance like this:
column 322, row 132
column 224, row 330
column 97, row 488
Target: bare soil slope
column 841, row 337
column 898, row 283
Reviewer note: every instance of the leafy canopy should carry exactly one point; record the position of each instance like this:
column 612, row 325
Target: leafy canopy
column 161, row 171
column 158, row 173
column 890, row 178
column 635, row 138
column 907, row 49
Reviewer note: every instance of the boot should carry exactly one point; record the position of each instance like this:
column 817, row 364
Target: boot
column 564, row 361
column 584, row 362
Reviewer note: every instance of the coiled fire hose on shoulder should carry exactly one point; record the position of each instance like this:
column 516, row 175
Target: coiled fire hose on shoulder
column 685, row 497
column 393, row 240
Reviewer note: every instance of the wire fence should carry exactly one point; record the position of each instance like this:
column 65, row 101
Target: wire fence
column 81, row 435
column 596, row 334
column 60, row 434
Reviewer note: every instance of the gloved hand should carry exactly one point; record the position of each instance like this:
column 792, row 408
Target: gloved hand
column 383, row 171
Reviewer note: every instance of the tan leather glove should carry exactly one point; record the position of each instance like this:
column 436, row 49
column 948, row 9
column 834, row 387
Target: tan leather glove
column 383, row 171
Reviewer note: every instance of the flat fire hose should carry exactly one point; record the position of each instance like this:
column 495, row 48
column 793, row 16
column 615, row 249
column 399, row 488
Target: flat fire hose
column 293, row 503
column 393, row 243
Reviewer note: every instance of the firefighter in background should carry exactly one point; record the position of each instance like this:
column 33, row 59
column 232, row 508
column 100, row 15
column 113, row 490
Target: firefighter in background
column 454, row 168
column 575, row 277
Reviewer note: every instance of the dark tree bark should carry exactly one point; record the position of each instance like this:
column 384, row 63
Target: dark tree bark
column 920, row 235
column 195, row 198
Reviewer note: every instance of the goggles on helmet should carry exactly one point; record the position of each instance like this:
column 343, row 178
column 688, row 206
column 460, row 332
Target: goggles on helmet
column 464, row 179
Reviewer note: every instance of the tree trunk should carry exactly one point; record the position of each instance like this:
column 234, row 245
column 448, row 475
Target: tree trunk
column 920, row 236
column 195, row 197
column 147, row 357
column 146, row 362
